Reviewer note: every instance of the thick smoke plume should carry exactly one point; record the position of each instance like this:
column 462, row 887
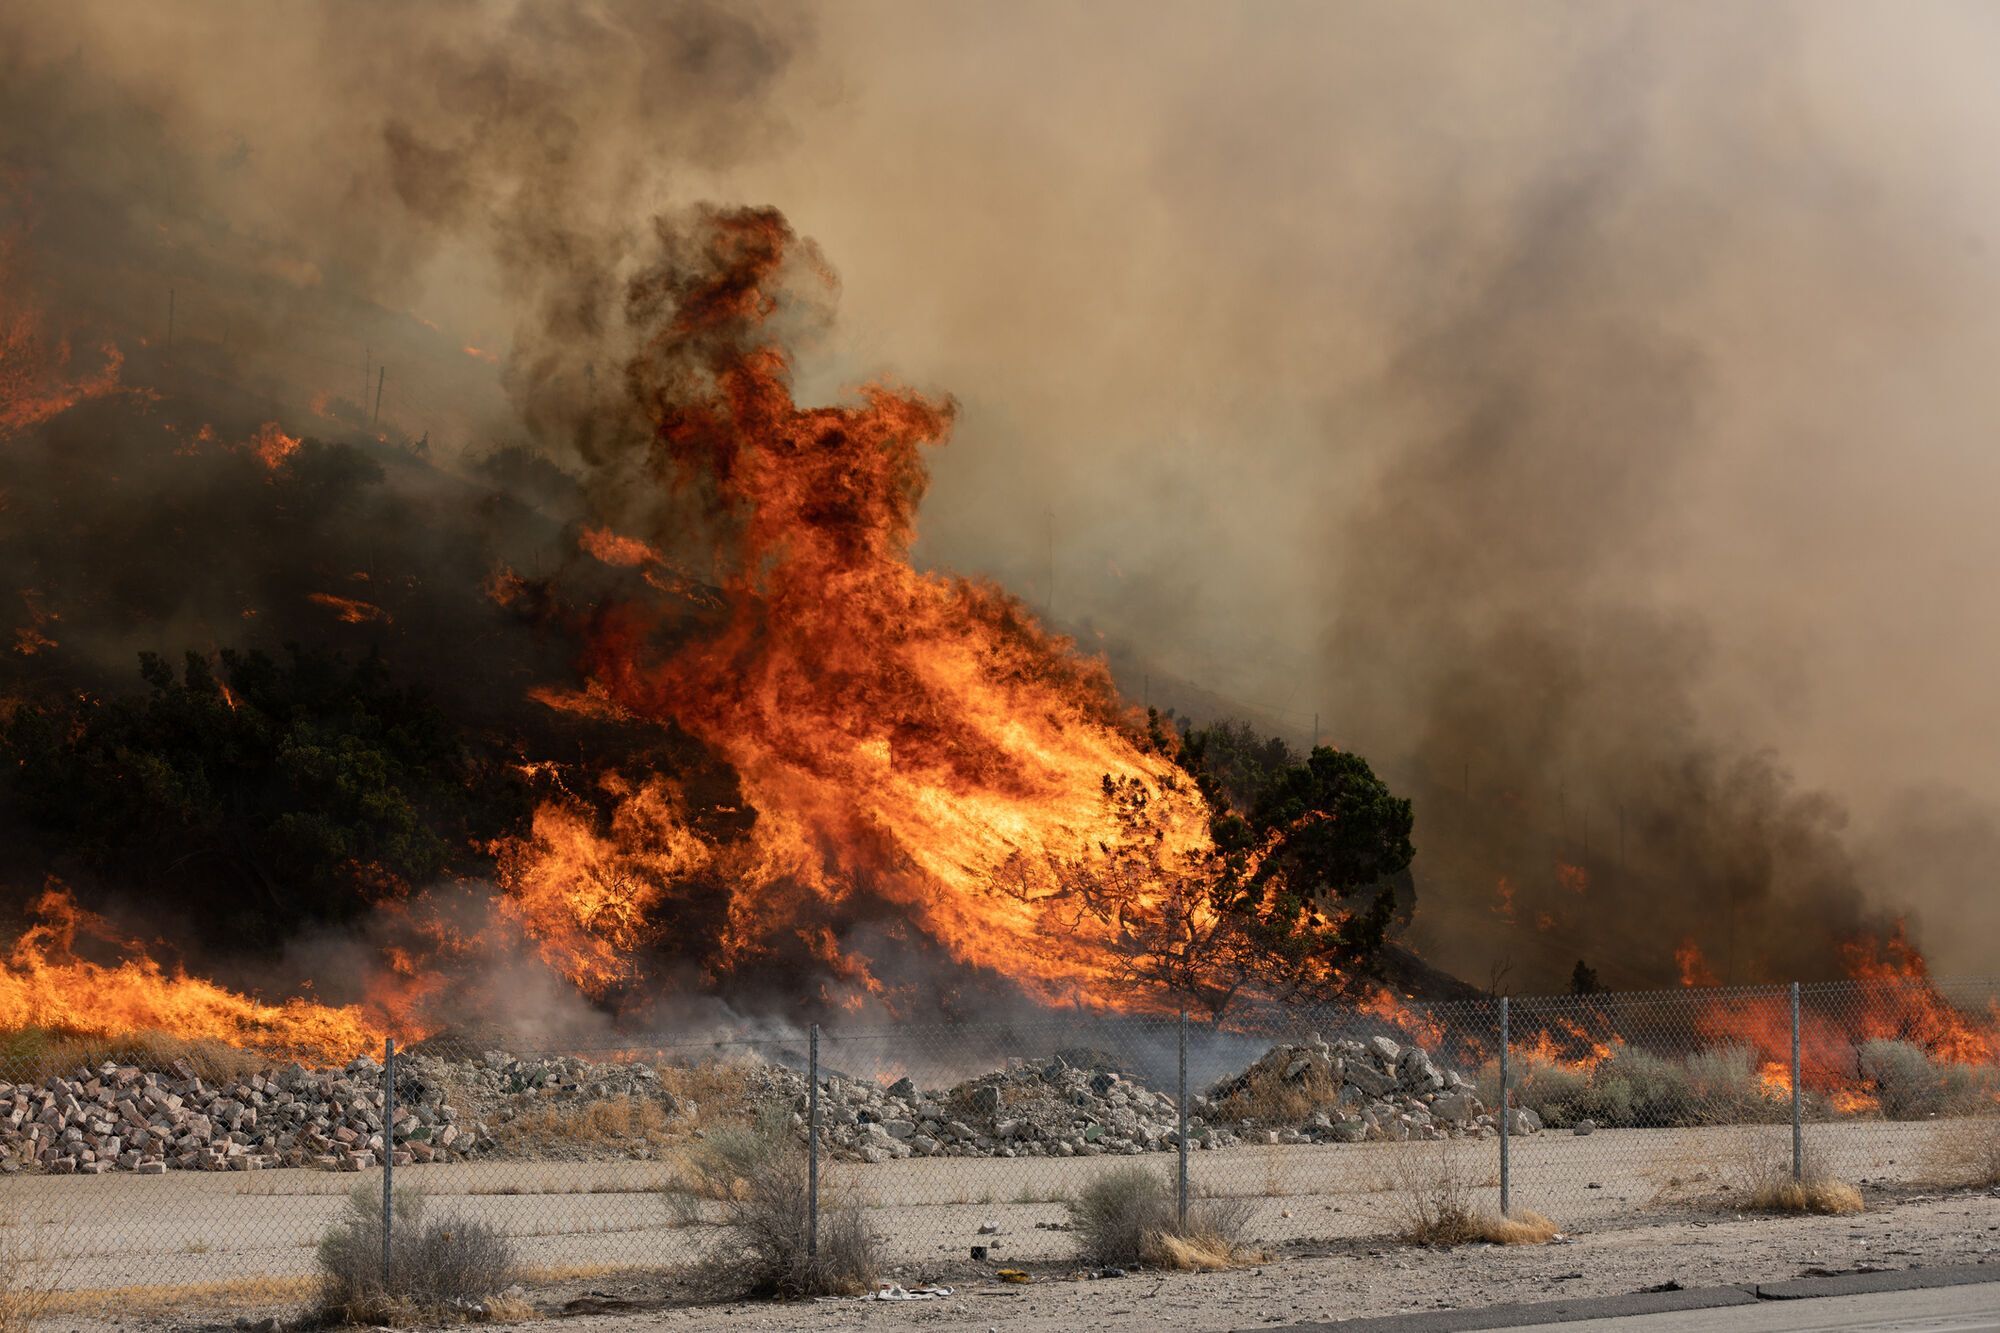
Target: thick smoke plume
column 1581, row 411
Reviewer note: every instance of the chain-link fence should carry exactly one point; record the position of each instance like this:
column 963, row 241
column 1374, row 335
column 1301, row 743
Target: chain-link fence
column 184, row 1174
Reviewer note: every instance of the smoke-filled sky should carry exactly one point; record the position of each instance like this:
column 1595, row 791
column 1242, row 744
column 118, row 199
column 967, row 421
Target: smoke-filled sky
column 1580, row 407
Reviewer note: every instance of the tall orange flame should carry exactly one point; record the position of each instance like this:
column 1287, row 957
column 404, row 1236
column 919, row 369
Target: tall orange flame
column 912, row 738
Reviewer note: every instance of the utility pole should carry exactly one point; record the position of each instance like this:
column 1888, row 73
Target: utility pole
column 381, row 373
column 1315, row 731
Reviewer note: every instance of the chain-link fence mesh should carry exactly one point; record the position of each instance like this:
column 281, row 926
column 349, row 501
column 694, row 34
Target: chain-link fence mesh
column 191, row 1173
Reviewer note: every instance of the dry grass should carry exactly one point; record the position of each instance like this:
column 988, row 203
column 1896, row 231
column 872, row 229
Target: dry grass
column 1765, row 1182
column 26, row 1290
column 32, row 1054
column 1129, row 1216
column 179, row 1298
column 1812, row 1194
column 1271, row 1099
column 612, row 1123
column 1436, row 1203
column 1524, row 1226
column 719, row 1091
column 1963, row 1154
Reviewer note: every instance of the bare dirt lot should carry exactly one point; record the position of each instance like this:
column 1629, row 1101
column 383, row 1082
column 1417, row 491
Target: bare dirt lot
column 1639, row 1207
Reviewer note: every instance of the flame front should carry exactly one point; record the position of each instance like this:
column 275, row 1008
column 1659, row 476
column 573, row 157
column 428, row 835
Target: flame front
column 43, row 981
column 910, row 739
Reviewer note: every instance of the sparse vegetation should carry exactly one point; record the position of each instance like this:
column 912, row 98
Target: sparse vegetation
column 1436, row 1202
column 1765, row 1183
column 755, row 1181
column 1268, row 1098
column 1129, row 1215
column 1633, row 1088
column 611, row 1123
column 33, row 1054
column 439, row 1267
column 25, row 1289
column 1964, row 1154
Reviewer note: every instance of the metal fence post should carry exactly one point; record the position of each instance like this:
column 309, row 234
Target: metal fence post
column 1506, row 1183
column 1799, row 1133
column 388, row 1156
column 812, row 1141
column 1181, row 1102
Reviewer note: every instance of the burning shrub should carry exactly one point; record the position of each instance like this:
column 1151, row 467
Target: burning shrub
column 1129, row 1215
column 758, row 1179
column 438, row 1266
column 1434, row 1189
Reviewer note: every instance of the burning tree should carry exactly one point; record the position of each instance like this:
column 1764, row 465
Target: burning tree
column 1292, row 897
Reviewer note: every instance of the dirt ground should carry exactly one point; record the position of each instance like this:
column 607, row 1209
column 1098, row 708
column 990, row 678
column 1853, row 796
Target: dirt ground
column 1640, row 1207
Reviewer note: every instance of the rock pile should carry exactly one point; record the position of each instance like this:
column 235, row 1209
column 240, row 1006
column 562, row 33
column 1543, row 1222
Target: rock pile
column 1051, row 1109
column 1356, row 1090
column 122, row 1117
column 126, row 1118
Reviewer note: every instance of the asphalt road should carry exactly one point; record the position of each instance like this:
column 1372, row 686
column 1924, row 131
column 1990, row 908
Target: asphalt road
column 1947, row 1299
column 1938, row 1310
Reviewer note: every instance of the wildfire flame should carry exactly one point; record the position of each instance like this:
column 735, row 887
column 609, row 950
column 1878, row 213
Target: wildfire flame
column 272, row 446
column 911, row 738
column 350, row 610
column 43, row 982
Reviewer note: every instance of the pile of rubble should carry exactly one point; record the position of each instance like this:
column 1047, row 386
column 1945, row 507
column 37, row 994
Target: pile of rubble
column 126, row 1118
column 1052, row 1109
column 122, row 1117
column 1376, row 1089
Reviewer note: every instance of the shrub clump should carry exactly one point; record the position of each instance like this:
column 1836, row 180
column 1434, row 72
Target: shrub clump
column 755, row 1183
column 1911, row 1086
column 1636, row 1089
column 1129, row 1216
column 1434, row 1193
column 438, row 1266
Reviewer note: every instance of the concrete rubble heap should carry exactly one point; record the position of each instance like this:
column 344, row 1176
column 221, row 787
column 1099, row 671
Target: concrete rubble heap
column 1050, row 1109
column 121, row 1117
column 1376, row 1089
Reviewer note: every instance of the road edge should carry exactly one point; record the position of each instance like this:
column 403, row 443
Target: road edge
column 1654, row 1302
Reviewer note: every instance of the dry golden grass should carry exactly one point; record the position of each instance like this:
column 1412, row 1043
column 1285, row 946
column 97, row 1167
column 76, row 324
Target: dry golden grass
column 1199, row 1254
column 1810, row 1195
column 172, row 1298
column 34, row 1053
column 1270, row 1099
column 1523, row 1226
column 719, row 1090
column 510, row 1309
column 1435, row 1203
column 1764, row 1180
column 614, row 1122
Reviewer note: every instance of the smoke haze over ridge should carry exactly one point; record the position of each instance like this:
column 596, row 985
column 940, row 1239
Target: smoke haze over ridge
column 1580, row 407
